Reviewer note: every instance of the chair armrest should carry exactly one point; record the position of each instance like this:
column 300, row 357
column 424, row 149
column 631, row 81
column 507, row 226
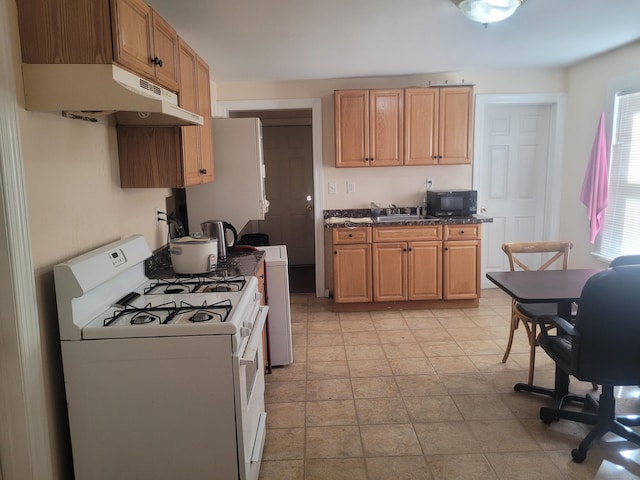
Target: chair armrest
column 560, row 323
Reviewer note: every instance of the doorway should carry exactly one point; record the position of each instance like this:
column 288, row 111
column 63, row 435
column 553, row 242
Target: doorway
column 292, row 140
column 517, row 167
column 288, row 158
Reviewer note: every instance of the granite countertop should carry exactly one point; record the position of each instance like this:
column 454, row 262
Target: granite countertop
column 241, row 261
column 365, row 218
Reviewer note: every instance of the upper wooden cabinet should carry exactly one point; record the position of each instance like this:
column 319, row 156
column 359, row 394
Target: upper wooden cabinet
column 368, row 127
column 127, row 32
column 197, row 146
column 412, row 126
column 172, row 156
column 145, row 43
column 438, row 125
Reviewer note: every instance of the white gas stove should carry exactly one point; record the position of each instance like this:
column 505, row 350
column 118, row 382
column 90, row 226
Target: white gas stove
column 136, row 350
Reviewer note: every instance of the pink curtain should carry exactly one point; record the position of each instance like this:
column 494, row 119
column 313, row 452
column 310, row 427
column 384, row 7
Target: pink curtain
column 595, row 187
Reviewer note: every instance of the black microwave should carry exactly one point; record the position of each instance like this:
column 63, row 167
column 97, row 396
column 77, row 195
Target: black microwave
column 452, row 203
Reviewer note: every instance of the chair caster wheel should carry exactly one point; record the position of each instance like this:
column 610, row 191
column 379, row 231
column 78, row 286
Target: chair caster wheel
column 578, row 455
column 546, row 417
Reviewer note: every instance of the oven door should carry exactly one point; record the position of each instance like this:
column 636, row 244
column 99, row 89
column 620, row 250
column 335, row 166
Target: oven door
column 251, row 415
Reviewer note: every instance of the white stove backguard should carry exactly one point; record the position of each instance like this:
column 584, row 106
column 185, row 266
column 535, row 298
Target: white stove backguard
column 89, row 284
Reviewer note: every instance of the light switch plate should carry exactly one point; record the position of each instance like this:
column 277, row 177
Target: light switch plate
column 351, row 186
column 333, row 188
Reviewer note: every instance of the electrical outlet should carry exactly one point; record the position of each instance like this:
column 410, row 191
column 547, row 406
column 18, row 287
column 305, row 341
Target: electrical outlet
column 333, row 188
column 429, row 184
column 158, row 216
column 351, row 186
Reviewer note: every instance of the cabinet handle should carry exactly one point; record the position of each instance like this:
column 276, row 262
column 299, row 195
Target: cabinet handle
column 335, row 252
column 203, row 171
column 461, row 232
column 157, row 61
column 373, row 159
column 351, row 235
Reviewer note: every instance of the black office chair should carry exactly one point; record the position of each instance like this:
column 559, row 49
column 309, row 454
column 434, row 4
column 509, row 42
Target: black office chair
column 601, row 347
column 625, row 260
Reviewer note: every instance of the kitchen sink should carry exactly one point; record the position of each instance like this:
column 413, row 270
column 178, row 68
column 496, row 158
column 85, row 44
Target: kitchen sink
column 399, row 217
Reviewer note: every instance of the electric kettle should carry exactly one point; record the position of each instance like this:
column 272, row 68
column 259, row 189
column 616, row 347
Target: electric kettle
column 218, row 229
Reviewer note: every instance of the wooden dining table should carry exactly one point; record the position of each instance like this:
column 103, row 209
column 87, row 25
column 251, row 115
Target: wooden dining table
column 562, row 287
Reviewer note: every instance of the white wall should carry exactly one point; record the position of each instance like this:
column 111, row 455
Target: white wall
column 588, row 85
column 403, row 186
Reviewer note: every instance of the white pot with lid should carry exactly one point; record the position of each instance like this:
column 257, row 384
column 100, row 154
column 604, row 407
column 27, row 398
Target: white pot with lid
column 193, row 255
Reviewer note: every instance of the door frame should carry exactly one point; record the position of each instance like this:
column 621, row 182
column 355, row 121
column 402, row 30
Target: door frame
column 315, row 105
column 553, row 194
column 25, row 447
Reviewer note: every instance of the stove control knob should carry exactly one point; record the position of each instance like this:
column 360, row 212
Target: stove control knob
column 244, row 332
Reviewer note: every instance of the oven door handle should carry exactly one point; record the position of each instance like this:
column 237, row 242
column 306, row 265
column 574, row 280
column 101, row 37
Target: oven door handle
column 255, row 340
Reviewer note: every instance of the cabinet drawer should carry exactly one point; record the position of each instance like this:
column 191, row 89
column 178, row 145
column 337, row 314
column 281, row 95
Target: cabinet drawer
column 462, row 232
column 343, row 236
column 407, row 234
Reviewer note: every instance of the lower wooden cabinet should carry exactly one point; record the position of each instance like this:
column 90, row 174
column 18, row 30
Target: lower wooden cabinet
column 391, row 264
column 407, row 270
column 352, row 270
column 263, row 301
column 352, row 282
column 461, row 260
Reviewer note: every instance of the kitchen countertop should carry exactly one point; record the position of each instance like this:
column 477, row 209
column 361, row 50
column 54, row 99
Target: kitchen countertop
column 365, row 218
column 241, row 261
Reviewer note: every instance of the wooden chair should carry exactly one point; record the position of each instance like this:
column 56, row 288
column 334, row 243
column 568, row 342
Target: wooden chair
column 521, row 255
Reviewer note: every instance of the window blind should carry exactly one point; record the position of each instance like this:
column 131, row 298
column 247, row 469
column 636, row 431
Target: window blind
column 621, row 232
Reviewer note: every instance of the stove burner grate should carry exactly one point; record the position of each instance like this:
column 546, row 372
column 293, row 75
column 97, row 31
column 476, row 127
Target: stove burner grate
column 145, row 315
column 196, row 284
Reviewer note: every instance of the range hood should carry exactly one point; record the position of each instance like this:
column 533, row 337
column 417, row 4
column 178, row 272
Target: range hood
column 90, row 91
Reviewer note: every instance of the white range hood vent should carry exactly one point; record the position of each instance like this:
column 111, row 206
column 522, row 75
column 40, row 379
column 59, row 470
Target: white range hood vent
column 91, row 91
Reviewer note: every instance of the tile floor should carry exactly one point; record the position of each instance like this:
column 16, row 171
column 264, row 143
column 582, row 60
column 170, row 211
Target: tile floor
column 422, row 394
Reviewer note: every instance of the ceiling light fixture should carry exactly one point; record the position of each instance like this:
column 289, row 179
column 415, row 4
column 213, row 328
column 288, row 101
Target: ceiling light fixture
column 487, row 11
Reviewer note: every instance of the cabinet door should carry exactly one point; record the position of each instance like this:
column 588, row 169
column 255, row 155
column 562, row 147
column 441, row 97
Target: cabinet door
column 389, row 272
column 204, row 109
column 461, row 270
column 352, row 273
column 456, row 120
column 424, row 271
column 189, row 101
column 132, row 26
column 421, row 126
column 386, row 127
column 165, row 43
column 352, row 128
column 149, row 157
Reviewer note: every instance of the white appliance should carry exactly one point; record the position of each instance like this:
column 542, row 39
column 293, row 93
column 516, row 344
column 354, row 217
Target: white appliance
column 237, row 194
column 164, row 378
column 277, row 269
column 95, row 90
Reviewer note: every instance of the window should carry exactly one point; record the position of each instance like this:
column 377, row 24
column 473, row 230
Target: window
column 621, row 232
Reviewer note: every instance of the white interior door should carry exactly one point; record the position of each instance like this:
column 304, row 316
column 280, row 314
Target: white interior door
column 512, row 178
